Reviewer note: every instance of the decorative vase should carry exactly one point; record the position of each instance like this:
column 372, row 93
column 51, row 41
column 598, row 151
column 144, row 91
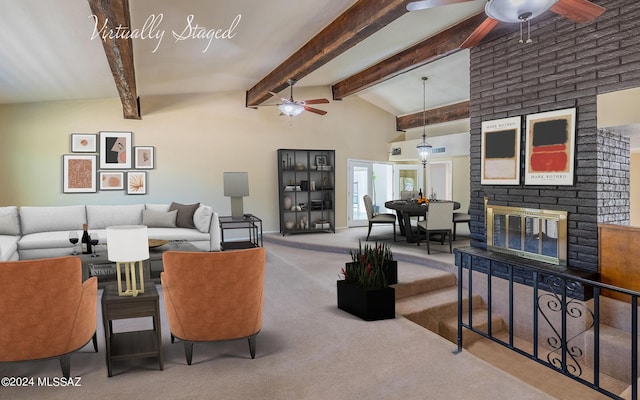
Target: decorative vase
column 287, row 203
column 367, row 304
column 390, row 270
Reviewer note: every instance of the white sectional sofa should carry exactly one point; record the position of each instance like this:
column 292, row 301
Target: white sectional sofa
column 38, row 232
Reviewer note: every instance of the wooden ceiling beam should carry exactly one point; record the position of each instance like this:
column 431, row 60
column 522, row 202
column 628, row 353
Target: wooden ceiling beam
column 360, row 21
column 119, row 51
column 439, row 115
column 434, row 48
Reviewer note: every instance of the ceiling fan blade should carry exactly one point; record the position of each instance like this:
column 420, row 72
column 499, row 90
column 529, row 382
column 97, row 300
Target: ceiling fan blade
column 315, row 110
column 580, row 11
column 423, row 4
column 316, row 101
column 278, row 96
column 481, row 31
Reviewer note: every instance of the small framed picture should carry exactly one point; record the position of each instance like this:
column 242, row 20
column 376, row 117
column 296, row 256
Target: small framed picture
column 115, row 150
column 136, row 182
column 84, row 143
column 144, row 157
column 321, row 160
column 79, row 173
column 111, row 180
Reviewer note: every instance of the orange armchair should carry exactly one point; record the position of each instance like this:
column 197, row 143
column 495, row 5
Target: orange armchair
column 46, row 310
column 214, row 296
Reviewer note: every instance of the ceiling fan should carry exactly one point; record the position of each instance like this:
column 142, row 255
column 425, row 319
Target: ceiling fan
column 292, row 107
column 518, row 11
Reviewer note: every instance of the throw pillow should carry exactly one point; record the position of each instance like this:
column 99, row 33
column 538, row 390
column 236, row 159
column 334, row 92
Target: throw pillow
column 9, row 225
column 159, row 219
column 202, row 218
column 185, row 214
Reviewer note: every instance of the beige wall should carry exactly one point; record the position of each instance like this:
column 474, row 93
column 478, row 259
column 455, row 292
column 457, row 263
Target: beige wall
column 197, row 138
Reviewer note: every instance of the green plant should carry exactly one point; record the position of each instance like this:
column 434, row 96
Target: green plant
column 366, row 268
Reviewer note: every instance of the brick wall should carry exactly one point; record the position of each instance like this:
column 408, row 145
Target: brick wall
column 566, row 66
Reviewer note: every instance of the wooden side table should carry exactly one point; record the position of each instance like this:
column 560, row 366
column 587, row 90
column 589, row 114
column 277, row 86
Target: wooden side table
column 134, row 344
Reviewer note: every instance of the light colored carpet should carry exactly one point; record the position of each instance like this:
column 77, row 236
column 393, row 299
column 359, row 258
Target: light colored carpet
column 308, row 349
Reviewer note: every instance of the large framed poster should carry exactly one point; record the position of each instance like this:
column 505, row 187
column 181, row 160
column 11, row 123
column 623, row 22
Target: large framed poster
column 550, row 141
column 500, row 163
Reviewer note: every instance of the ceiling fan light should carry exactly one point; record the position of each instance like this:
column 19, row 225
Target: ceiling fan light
column 291, row 109
column 514, row 10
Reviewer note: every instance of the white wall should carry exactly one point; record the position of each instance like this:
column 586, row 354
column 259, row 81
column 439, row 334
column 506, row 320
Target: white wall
column 197, row 138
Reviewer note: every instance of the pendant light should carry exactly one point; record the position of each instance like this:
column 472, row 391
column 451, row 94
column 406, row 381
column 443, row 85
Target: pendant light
column 424, row 148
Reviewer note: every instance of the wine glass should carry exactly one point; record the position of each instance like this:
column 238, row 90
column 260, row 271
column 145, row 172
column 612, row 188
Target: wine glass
column 73, row 238
column 94, row 240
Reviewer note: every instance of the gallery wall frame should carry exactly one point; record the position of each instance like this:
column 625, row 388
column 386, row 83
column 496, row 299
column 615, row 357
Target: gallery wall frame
column 115, row 150
column 79, row 173
column 136, row 182
column 550, row 147
column 144, row 157
column 111, row 180
column 500, row 151
column 84, row 143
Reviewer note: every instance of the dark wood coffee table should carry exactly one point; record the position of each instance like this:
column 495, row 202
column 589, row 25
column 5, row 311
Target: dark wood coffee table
column 133, row 344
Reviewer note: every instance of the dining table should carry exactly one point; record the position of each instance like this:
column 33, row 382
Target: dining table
column 406, row 209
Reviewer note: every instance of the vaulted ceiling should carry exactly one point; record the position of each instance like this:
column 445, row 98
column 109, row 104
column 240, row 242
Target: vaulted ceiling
column 372, row 49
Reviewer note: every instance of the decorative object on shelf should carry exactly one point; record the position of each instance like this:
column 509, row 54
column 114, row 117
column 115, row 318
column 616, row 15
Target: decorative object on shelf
column 550, row 144
column 289, row 224
column 79, row 173
column 115, row 150
column 287, row 202
column 500, row 154
column 136, row 182
column 321, row 161
column 365, row 291
column 236, row 186
column 84, row 143
column 128, row 245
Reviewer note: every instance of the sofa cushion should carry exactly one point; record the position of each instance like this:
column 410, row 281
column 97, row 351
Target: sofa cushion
column 9, row 222
column 202, row 218
column 48, row 219
column 157, row 207
column 159, row 219
column 8, row 247
column 99, row 217
column 190, row 235
column 185, row 214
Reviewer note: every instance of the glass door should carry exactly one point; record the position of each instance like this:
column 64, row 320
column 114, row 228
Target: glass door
column 367, row 177
column 407, row 178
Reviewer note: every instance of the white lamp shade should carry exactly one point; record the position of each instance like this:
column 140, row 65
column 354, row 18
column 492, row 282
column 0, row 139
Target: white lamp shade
column 512, row 10
column 236, row 184
column 127, row 243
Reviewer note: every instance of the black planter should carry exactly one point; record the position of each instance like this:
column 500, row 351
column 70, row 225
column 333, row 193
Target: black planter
column 368, row 304
column 390, row 270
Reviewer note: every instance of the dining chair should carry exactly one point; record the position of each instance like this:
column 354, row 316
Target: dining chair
column 439, row 220
column 408, row 194
column 460, row 218
column 384, row 218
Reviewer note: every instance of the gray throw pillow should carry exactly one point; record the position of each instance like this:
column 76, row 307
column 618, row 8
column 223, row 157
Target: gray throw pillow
column 185, row 214
column 159, row 219
column 9, row 225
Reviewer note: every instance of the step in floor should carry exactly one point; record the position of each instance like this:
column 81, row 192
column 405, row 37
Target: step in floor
column 448, row 327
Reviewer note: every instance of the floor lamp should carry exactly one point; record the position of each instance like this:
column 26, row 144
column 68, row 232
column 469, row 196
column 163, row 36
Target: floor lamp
column 128, row 245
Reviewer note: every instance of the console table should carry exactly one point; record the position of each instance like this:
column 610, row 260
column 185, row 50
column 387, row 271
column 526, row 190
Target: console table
column 251, row 223
column 133, row 344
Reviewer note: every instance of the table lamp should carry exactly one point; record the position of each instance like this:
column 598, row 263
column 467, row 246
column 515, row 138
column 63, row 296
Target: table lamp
column 128, row 245
column 236, row 186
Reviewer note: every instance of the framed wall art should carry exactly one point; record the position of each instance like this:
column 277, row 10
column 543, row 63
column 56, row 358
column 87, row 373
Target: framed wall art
column 500, row 161
column 115, row 150
column 144, row 157
column 136, row 182
column 550, row 141
column 84, row 143
column 79, row 173
column 111, row 180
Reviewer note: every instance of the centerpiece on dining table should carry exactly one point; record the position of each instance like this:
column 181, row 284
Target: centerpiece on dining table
column 365, row 291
